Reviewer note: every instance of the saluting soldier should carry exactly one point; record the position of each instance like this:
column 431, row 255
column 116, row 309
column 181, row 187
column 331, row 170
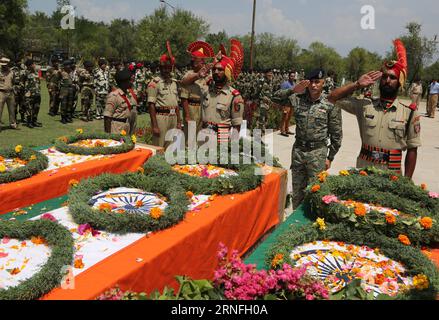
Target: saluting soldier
column 87, row 90
column 319, row 131
column 120, row 111
column 191, row 93
column 163, row 102
column 7, row 81
column 53, row 78
column 388, row 127
column 222, row 105
column 32, row 94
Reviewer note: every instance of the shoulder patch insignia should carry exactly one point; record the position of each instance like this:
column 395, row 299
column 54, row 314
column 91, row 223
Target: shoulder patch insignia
column 152, row 84
column 236, row 93
column 413, row 106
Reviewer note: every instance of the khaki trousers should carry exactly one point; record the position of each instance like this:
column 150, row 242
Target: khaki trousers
column 9, row 99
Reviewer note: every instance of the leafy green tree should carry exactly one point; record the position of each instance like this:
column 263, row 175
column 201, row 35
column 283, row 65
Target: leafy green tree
column 318, row 55
column 361, row 61
column 12, row 22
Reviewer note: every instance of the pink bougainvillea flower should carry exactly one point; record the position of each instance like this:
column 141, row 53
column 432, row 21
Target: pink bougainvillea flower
column 330, row 199
column 48, row 216
column 434, row 195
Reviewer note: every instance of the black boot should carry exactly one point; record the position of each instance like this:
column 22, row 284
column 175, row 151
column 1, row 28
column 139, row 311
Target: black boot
column 63, row 120
column 36, row 124
column 29, row 123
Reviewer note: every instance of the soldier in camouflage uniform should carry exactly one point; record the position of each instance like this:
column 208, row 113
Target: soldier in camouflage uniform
column 18, row 92
column 265, row 99
column 67, row 93
column 76, row 86
column 140, row 86
column 318, row 131
column 53, row 77
column 32, row 94
column 87, row 90
column 102, row 87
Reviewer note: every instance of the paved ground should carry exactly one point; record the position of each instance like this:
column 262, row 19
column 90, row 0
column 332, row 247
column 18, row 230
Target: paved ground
column 427, row 170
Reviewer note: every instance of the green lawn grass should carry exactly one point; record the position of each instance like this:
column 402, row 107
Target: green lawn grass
column 52, row 127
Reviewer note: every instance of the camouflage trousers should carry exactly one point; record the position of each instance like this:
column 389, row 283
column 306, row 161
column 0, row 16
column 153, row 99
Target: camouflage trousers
column 32, row 108
column 86, row 102
column 305, row 166
column 67, row 97
column 263, row 116
column 101, row 100
column 54, row 102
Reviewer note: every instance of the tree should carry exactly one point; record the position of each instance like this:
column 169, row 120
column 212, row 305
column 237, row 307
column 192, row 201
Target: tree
column 319, row 55
column 216, row 39
column 361, row 61
column 12, row 22
column 123, row 38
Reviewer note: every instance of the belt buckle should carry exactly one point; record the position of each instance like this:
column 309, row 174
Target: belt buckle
column 172, row 112
column 375, row 155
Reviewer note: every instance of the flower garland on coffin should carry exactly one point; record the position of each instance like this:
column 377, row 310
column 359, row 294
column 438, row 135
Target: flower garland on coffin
column 376, row 200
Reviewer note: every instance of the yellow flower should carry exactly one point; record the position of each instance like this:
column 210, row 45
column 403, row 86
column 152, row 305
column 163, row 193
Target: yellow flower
column 123, row 132
column 321, row 224
column 79, row 264
column 420, row 282
column 105, row 207
column 33, row 157
column 18, row 148
column 156, row 213
column 2, row 168
column 277, row 260
column 134, row 138
column 140, row 170
column 79, row 131
column 73, row 183
column 344, row 173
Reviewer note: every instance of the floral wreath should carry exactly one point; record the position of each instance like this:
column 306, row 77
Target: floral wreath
column 63, row 144
column 103, row 218
column 51, row 274
column 417, row 265
column 360, row 198
column 33, row 163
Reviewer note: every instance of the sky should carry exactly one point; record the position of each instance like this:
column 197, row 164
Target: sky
column 336, row 23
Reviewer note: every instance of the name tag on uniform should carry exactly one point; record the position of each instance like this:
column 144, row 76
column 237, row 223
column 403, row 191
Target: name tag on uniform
column 172, row 112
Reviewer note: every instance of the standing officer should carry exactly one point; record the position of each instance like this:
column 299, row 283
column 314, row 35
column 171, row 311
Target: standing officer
column 222, row 105
column 265, row 98
column 66, row 93
column 102, row 86
column 87, row 90
column 7, row 81
column 19, row 71
column 163, row 102
column 387, row 126
column 416, row 92
column 32, row 94
column 319, row 131
column 120, row 109
column 53, row 79
column 191, row 93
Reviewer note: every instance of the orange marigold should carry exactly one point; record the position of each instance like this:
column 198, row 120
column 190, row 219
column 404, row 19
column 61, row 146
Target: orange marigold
column 106, row 207
column 322, row 176
column 360, row 210
column 394, row 178
column 15, row 271
column 390, row 218
column 277, row 260
column 79, row 264
column 426, row 223
column 139, row 204
column 379, row 279
column 38, row 240
column 404, row 240
column 73, row 183
column 189, row 194
column 156, row 213
column 123, row 132
column 363, row 173
column 423, row 186
column 140, row 170
column 315, row 188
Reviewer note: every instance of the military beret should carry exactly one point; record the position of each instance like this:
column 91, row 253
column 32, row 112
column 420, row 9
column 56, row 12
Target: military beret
column 316, row 74
column 123, row 75
column 102, row 62
column 29, row 62
column 88, row 64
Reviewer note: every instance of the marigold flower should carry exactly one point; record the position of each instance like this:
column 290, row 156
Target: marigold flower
column 140, row 170
column 189, row 194
column 420, row 282
column 79, row 264
column 320, row 223
column 123, row 133
column 33, row 157
column 360, row 210
column 278, row 259
column 426, row 223
column 315, row 188
column 379, row 279
column 404, row 240
column 363, row 173
column 139, row 204
column 79, row 131
column 63, row 139
column 423, row 186
column 105, row 207
column 322, row 176
column 344, row 173
column 99, row 144
column 390, row 218
column 2, row 168
column 15, row 271
column 121, row 211
column 2, row 159
column 134, row 138
column 394, row 178
column 73, row 183
column 18, row 148
column 38, row 240
column 156, row 213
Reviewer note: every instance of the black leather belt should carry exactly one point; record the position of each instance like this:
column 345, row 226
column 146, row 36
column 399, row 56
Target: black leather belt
column 310, row 145
column 194, row 102
column 119, row 120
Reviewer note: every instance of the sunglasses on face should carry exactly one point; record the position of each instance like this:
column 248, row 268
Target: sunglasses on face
column 391, row 76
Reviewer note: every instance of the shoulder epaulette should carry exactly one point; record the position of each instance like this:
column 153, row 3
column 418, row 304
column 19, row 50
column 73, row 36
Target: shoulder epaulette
column 235, row 92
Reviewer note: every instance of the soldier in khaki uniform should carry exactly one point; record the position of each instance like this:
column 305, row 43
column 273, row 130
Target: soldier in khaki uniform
column 120, row 109
column 6, row 91
column 191, row 93
column 163, row 102
column 222, row 105
column 416, row 92
column 387, row 126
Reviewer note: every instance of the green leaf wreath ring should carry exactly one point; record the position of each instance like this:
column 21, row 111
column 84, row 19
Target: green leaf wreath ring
column 64, row 144
column 33, row 163
column 58, row 238
column 376, row 200
column 129, row 219
column 339, row 254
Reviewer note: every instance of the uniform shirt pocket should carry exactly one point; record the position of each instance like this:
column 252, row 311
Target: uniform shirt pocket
column 370, row 124
column 223, row 110
column 396, row 130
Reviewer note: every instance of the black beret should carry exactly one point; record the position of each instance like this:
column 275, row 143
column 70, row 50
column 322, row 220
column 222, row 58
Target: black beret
column 88, row 64
column 29, row 62
column 316, row 74
column 123, row 75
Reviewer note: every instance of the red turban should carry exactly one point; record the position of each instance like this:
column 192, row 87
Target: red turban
column 400, row 67
column 233, row 64
column 200, row 49
column 167, row 58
